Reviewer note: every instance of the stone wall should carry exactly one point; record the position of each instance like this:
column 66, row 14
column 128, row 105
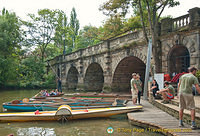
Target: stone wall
column 115, row 59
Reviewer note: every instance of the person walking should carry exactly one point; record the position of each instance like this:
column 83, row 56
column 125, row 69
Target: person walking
column 133, row 90
column 186, row 98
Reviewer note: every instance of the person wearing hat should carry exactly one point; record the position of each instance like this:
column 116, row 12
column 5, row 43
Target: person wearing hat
column 186, row 98
column 134, row 90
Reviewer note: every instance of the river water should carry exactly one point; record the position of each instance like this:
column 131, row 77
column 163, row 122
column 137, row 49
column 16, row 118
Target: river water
column 86, row 127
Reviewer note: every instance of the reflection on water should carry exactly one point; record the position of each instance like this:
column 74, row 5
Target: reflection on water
column 89, row 127
column 85, row 127
column 36, row 131
column 9, row 95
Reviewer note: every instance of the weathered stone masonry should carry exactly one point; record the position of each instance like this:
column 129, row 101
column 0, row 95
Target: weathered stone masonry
column 109, row 65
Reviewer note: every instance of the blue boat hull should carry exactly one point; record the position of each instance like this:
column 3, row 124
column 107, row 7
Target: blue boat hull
column 49, row 107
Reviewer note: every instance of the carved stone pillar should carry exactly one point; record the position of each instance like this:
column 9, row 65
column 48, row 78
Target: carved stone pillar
column 166, row 25
column 194, row 15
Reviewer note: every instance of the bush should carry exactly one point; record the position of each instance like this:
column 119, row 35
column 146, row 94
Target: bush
column 198, row 75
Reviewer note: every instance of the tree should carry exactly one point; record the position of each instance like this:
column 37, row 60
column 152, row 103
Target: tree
column 154, row 9
column 74, row 26
column 62, row 32
column 31, row 74
column 113, row 26
column 132, row 23
column 88, row 36
column 52, row 51
column 10, row 38
column 41, row 29
column 10, row 34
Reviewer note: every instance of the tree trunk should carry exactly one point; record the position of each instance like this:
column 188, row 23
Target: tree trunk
column 157, row 52
column 42, row 56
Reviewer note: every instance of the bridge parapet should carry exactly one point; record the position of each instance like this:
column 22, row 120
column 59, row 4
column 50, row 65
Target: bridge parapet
column 101, row 48
column 94, row 50
column 89, row 51
column 188, row 21
column 118, row 42
column 180, row 22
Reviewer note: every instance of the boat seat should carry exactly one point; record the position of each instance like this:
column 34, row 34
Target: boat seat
column 15, row 102
column 64, row 110
column 25, row 100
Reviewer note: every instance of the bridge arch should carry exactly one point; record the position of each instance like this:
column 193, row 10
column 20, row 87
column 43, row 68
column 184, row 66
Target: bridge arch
column 178, row 59
column 72, row 78
column 123, row 71
column 94, row 78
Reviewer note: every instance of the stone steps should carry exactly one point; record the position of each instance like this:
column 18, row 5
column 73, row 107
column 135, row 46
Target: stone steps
column 173, row 109
column 176, row 103
column 151, row 118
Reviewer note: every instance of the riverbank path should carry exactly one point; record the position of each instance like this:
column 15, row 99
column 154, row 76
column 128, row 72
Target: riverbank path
column 153, row 119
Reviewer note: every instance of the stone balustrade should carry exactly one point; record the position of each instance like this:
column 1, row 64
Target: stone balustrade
column 191, row 21
column 180, row 22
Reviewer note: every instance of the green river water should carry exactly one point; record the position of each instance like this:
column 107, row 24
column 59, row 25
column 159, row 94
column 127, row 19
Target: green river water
column 85, row 127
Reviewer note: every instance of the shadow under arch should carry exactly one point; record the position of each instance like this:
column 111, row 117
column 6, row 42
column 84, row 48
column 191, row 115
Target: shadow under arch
column 178, row 59
column 58, row 72
column 94, row 78
column 72, row 78
column 123, row 73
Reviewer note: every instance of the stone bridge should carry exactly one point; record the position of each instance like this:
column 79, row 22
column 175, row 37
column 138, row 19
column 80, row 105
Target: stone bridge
column 108, row 66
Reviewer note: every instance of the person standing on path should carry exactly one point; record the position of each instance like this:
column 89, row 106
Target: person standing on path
column 138, row 85
column 133, row 90
column 59, row 85
column 186, row 98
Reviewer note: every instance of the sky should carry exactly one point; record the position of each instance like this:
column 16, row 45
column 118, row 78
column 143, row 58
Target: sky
column 87, row 10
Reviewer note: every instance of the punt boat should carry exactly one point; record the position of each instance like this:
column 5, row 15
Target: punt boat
column 65, row 113
column 48, row 106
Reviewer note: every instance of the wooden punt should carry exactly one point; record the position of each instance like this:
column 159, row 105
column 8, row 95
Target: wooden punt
column 96, row 95
column 42, row 106
column 44, row 97
column 65, row 112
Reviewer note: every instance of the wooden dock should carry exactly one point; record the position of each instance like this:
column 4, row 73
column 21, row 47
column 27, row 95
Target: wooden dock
column 155, row 120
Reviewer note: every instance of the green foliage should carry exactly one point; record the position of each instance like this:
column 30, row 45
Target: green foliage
column 149, row 11
column 74, row 26
column 66, row 34
column 52, row 51
column 10, row 37
column 88, row 36
column 9, row 33
column 32, row 75
column 41, row 29
column 8, row 70
column 132, row 23
column 113, row 26
column 118, row 25
column 49, row 80
column 113, row 7
column 198, row 74
column 62, row 31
